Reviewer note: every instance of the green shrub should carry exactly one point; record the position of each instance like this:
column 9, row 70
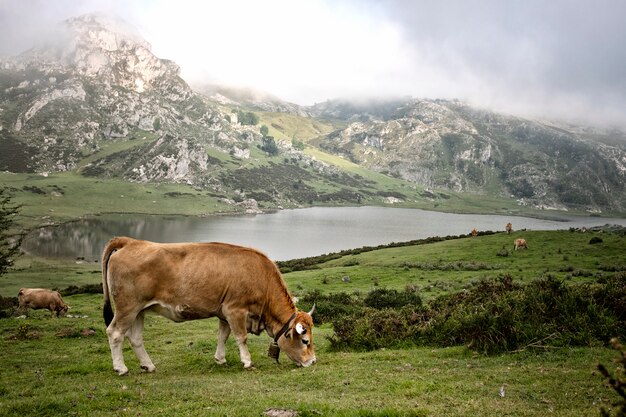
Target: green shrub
column 83, row 289
column 331, row 306
column 612, row 295
column 381, row 298
column 8, row 306
column 372, row 329
column 494, row 315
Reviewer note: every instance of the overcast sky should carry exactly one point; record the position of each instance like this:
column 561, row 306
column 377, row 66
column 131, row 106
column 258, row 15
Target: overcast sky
column 541, row 58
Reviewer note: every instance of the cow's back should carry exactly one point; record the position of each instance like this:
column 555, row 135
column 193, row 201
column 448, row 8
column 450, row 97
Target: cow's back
column 198, row 279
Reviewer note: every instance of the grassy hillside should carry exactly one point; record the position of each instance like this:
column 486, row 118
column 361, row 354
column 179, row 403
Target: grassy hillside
column 289, row 127
column 62, row 366
column 452, row 265
column 61, row 197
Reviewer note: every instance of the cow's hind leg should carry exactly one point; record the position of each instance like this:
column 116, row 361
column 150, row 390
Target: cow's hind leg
column 222, row 335
column 117, row 331
column 135, row 335
column 116, row 334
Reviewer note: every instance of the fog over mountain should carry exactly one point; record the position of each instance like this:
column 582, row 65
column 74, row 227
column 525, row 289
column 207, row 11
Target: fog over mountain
column 70, row 103
column 561, row 59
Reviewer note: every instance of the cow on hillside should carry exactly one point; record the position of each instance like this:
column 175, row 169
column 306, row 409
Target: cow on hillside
column 509, row 228
column 520, row 244
column 474, row 232
column 40, row 298
column 189, row 281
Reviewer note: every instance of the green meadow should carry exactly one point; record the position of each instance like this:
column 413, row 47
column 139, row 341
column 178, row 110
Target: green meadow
column 62, row 366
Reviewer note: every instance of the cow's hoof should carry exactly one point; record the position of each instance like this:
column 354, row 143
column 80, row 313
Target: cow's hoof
column 220, row 361
column 122, row 371
column 148, row 368
column 248, row 366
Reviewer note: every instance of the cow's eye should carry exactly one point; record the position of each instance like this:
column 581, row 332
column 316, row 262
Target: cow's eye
column 306, row 342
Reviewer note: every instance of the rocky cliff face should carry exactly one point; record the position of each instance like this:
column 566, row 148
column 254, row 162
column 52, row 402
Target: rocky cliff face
column 101, row 82
column 444, row 144
column 65, row 105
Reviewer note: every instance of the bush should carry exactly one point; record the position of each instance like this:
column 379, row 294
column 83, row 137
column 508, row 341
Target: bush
column 495, row 315
column 381, row 298
column 594, row 240
column 331, row 306
column 372, row 329
column 541, row 314
column 8, row 306
column 612, row 295
column 84, row 289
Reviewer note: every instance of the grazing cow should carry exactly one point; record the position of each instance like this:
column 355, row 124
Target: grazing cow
column 189, row 281
column 474, row 232
column 509, row 228
column 39, row 298
column 520, row 244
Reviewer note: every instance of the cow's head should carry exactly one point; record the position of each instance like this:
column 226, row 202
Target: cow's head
column 62, row 310
column 297, row 341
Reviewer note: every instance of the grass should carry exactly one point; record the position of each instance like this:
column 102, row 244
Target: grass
column 61, row 197
column 441, row 267
column 49, row 368
column 48, row 373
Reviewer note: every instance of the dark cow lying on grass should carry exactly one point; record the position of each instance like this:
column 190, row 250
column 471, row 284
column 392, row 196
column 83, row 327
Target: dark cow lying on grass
column 40, row 298
column 189, row 281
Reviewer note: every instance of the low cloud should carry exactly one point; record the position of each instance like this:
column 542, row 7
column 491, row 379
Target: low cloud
column 559, row 59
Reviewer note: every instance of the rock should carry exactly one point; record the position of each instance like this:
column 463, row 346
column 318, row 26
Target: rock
column 278, row 412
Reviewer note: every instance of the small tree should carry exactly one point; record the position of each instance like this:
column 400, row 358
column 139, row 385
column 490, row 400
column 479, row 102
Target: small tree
column 247, row 118
column 269, row 145
column 10, row 240
column 297, row 144
column 264, row 130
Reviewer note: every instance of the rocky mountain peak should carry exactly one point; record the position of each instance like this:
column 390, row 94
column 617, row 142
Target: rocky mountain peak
column 102, row 46
column 107, row 47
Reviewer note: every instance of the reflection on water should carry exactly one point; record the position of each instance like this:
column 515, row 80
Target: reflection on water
column 283, row 235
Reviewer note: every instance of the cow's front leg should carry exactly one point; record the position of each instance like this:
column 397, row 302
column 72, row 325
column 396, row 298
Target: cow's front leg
column 222, row 335
column 238, row 327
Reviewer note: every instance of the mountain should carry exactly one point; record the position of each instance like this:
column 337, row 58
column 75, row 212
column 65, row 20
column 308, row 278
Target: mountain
column 98, row 102
column 450, row 145
column 249, row 98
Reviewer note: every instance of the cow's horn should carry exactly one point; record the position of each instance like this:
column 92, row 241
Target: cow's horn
column 300, row 329
column 312, row 310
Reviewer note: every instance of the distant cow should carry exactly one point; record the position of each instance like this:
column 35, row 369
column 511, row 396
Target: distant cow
column 39, row 298
column 474, row 232
column 520, row 244
column 509, row 228
column 189, row 281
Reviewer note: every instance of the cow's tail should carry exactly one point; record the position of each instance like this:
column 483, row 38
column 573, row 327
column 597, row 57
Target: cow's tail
column 113, row 245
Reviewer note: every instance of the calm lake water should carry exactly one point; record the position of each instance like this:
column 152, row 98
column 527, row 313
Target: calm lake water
column 286, row 234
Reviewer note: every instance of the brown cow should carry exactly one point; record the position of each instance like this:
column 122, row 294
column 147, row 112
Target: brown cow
column 509, row 228
column 188, row 281
column 39, row 298
column 520, row 244
column 474, row 232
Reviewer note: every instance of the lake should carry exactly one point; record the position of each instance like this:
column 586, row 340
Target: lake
column 286, row 234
